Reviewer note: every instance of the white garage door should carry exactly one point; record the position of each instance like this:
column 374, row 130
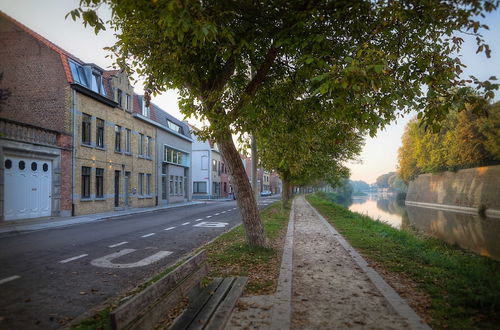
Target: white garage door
column 27, row 188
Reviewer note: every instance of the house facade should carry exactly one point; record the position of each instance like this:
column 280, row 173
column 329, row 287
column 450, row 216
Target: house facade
column 35, row 125
column 210, row 175
column 173, row 149
column 114, row 152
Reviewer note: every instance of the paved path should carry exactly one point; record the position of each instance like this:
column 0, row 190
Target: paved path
column 332, row 286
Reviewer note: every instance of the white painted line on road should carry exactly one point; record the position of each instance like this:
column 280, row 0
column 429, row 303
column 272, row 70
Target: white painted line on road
column 147, row 235
column 208, row 216
column 209, row 224
column 223, row 212
column 234, row 208
column 185, row 223
column 198, row 219
column 117, row 244
column 216, row 213
column 73, row 258
column 229, row 210
column 169, row 228
column 107, row 261
column 8, row 279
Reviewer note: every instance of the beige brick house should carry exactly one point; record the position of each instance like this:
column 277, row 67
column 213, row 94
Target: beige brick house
column 115, row 152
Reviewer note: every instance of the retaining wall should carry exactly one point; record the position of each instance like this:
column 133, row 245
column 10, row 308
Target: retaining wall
column 467, row 188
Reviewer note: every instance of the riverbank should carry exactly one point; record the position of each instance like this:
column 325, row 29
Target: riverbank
column 449, row 287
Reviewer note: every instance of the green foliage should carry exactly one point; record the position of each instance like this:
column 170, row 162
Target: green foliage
column 464, row 288
column 383, row 180
column 359, row 186
column 465, row 139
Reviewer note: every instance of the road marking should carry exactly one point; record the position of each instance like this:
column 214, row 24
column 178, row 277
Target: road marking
column 234, row 208
column 229, row 210
column 223, row 212
column 208, row 216
column 106, row 261
column 210, row 224
column 198, row 219
column 8, row 279
column 169, row 228
column 216, row 213
column 185, row 223
column 73, row 258
column 117, row 244
column 147, row 235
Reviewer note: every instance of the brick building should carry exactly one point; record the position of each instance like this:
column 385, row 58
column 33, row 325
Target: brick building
column 70, row 141
column 35, row 125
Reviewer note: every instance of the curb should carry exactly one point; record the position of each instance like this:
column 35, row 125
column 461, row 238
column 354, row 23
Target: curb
column 282, row 309
column 398, row 304
column 59, row 223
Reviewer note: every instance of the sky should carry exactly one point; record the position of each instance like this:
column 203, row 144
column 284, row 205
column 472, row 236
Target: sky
column 379, row 155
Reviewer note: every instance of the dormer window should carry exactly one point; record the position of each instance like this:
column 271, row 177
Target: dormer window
column 78, row 73
column 97, row 85
column 145, row 109
column 174, row 127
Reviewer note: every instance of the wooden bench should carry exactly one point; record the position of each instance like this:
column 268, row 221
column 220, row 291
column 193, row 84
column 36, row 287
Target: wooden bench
column 209, row 307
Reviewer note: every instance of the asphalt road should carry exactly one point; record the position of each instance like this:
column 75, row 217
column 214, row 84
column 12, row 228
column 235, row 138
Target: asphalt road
column 49, row 277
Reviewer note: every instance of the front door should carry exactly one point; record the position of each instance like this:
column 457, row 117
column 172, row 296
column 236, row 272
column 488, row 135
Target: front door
column 117, row 188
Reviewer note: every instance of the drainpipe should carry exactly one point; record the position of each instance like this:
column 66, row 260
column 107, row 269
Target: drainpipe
column 73, row 154
column 210, row 188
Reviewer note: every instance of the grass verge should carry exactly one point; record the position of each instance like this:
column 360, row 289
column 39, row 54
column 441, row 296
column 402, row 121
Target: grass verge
column 464, row 288
column 228, row 255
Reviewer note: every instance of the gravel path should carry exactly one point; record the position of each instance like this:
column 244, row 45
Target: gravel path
column 330, row 291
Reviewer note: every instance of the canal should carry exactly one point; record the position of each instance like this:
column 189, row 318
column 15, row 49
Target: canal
column 478, row 234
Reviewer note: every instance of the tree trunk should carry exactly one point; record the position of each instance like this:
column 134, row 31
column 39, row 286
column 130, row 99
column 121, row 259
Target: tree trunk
column 285, row 194
column 245, row 197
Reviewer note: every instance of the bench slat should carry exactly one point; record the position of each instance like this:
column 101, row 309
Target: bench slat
column 223, row 312
column 218, row 295
column 158, row 311
column 198, row 297
column 129, row 311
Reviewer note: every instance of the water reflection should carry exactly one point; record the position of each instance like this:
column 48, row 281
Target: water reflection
column 481, row 235
column 381, row 207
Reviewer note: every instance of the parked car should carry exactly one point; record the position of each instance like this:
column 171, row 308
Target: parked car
column 266, row 193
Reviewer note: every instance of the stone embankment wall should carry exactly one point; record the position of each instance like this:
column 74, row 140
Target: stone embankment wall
column 469, row 189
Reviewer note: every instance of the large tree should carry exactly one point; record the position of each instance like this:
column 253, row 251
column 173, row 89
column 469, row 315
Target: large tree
column 370, row 57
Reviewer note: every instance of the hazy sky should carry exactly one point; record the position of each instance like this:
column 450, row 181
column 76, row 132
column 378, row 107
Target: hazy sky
column 379, row 156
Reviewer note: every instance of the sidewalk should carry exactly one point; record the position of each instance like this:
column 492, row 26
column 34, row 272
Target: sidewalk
column 324, row 284
column 18, row 226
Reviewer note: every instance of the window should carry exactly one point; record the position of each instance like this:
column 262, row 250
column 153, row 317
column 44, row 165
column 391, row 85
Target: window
column 181, row 185
column 148, row 184
column 148, row 146
column 204, row 162
column 34, row 166
column 99, row 139
column 176, row 185
column 99, row 182
column 85, row 182
column 199, row 187
column 86, row 122
column 141, row 184
column 214, row 165
column 141, row 145
column 176, row 157
column 78, row 73
column 171, row 185
column 179, row 158
column 168, row 154
column 174, row 127
column 164, row 181
column 118, row 138
column 128, row 103
column 225, row 187
column 97, row 85
column 128, row 133
column 145, row 109
column 119, row 97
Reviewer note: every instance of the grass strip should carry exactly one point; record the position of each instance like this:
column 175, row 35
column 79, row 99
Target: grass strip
column 464, row 288
column 228, row 255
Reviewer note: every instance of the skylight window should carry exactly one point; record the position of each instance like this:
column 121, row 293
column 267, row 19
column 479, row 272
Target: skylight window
column 174, row 127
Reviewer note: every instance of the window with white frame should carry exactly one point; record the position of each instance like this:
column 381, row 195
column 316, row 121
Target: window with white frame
column 174, row 156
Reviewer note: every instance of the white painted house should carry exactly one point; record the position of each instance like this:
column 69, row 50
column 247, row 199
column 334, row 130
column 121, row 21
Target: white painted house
column 206, row 169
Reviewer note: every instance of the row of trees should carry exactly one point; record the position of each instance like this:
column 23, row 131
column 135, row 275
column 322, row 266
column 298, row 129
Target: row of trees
column 307, row 78
column 465, row 139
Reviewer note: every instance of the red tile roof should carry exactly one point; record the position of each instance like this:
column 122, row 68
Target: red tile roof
column 63, row 53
